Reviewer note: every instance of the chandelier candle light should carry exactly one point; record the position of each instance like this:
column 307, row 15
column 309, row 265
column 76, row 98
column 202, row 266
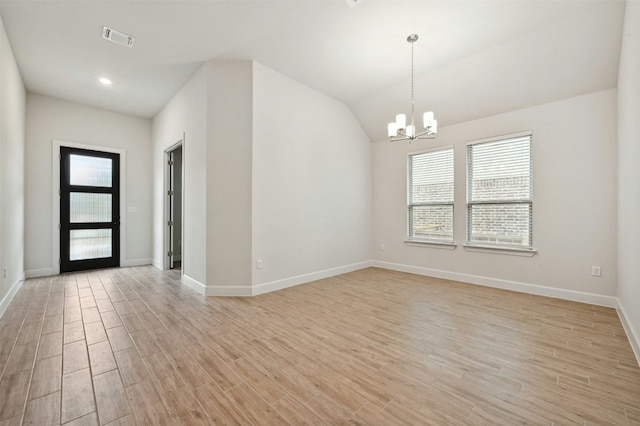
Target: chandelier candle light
column 399, row 130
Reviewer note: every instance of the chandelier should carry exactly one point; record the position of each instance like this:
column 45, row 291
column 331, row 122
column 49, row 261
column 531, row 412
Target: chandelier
column 399, row 130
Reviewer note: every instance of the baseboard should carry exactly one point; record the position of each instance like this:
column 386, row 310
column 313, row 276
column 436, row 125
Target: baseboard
column 44, row 272
column 194, row 284
column 136, row 262
column 558, row 293
column 283, row 283
column 305, row 278
column 6, row 300
column 632, row 335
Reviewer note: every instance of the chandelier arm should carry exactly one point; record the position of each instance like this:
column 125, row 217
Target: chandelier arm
column 425, row 133
column 423, row 136
column 420, row 136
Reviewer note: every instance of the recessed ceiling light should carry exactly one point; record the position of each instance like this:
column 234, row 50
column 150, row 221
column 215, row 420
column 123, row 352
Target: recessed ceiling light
column 105, row 81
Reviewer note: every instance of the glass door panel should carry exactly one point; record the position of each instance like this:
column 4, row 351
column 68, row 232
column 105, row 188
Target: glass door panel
column 88, row 207
column 89, row 244
column 90, row 171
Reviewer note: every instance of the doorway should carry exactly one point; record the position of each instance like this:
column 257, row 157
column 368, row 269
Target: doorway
column 89, row 209
column 175, row 188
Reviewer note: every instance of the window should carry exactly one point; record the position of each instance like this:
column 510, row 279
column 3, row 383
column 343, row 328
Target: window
column 499, row 192
column 430, row 196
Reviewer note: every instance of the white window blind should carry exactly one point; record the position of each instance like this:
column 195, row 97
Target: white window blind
column 500, row 192
column 430, row 196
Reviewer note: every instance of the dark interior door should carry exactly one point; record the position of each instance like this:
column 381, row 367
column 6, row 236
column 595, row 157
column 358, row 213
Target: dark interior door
column 89, row 209
column 171, row 194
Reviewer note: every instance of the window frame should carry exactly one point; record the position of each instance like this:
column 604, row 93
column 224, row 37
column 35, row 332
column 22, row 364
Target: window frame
column 469, row 243
column 410, row 238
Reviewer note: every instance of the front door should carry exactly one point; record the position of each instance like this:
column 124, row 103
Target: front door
column 89, row 209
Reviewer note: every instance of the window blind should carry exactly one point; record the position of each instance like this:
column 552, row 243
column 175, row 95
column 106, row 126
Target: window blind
column 431, row 196
column 500, row 192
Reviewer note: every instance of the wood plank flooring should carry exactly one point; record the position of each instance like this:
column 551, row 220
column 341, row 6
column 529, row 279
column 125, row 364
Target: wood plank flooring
column 373, row 347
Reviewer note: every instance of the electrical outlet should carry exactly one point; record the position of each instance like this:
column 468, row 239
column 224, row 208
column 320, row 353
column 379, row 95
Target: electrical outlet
column 595, row 271
column 382, row 247
column 4, row 272
column 259, row 264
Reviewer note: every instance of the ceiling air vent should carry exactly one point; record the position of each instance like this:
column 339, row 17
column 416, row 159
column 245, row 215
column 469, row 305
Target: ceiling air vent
column 117, row 37
column 352, row 3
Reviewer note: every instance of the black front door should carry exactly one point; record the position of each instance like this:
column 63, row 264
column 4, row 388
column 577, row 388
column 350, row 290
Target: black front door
column 89, row 209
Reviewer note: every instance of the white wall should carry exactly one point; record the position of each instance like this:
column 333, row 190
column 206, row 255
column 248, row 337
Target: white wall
column 12, row 151
column 185, row 115
column 264, row 178
column 311, row 182
column 229, row 168
column 574, row 222
column 50, row 119
column 629, row 174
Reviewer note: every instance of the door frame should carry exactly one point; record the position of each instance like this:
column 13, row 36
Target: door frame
column 167, row 214
column 55, row 196
column 68, row 188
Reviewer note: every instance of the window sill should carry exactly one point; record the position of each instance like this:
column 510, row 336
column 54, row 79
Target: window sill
column 432, row 244
column 501, row 250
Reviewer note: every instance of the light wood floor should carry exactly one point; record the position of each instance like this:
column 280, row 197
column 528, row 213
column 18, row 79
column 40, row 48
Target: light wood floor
column 132, row 346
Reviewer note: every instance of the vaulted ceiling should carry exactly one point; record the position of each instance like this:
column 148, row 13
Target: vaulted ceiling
column 474, row 58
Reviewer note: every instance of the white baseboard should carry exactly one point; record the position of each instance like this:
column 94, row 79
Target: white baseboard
column 558, row 293
column 283, row 283
column 6, row 300
column 305, row 278
column 44, row 272
column 136, row 262
column 193, row 284
column 632, row 335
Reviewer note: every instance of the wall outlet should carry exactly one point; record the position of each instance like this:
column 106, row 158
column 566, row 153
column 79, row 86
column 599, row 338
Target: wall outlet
column 259, row 264
column 595, row 271
column 4, row 272
column 382, row 247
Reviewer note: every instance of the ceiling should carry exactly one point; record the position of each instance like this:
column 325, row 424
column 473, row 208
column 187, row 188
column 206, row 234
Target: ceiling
column 474, row 58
